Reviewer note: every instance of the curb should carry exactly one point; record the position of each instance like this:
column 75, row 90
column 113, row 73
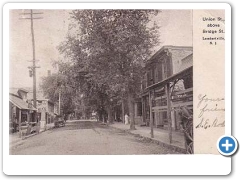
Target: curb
column 172, row 147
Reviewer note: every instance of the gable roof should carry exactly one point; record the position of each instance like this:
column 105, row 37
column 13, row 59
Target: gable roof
column 16, row 91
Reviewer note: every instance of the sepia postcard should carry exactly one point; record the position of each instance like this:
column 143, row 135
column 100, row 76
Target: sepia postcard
column 134, row 85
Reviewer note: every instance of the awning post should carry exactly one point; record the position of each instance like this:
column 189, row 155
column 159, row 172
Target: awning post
column 151, row 117
column 167, row 91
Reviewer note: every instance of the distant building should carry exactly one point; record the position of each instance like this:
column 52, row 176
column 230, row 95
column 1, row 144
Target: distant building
column 46, row 109
column 46, row 112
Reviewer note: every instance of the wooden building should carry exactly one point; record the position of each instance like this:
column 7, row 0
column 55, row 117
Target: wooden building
column 20, row 112
column 47, row 110
column 167, row 85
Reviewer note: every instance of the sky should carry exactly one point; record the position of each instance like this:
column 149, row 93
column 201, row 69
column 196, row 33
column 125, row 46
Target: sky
column 176, row 29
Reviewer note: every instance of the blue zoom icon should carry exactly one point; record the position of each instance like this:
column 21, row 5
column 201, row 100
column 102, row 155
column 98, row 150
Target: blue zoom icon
column 227, row 145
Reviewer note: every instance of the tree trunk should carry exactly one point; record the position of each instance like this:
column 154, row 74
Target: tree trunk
column 131, row 111
column 104, row 119
column 110, row 116
column 123, row 112
column 100, row 115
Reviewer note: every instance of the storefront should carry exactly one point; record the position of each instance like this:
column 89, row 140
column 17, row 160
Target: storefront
column 20, row 113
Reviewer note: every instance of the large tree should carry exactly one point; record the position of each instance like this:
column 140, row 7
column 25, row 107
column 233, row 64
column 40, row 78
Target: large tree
column 61, row 83
column 111, row 46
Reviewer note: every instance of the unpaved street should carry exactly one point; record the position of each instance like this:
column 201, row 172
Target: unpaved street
column 86, row 137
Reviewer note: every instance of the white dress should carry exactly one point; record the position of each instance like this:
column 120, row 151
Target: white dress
column 126, row 119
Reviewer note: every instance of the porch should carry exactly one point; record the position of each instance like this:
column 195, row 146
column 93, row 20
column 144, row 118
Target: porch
column 162, row 102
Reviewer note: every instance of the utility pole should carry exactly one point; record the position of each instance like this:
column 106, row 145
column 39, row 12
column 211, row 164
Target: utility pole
column 33, row 67
column 59, row 102
column 59, row 92
column 34, row 64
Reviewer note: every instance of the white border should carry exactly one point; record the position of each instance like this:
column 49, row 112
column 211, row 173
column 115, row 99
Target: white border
column 114, row 165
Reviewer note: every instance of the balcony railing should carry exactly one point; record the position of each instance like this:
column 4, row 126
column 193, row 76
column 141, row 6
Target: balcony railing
column 178, row 99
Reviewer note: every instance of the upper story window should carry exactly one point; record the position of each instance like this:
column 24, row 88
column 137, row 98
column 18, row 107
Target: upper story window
column 164, row 70
column 150, row 76
column 144, row 81
column 156, row 73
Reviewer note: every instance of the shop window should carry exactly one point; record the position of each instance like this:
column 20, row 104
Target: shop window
column 165, row 115
column 24, row 118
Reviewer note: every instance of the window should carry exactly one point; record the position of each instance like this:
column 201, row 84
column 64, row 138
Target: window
column 144, row 81
column 150, row 75
column 139, row 109
column 160, row 72
column 24, row 117
column 156, row 74
column 164, row 70
column 164, row 114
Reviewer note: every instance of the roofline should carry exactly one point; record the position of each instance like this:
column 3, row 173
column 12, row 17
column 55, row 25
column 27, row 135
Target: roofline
column 12, row 94
column 166, row 48
column 45, row 100
column 22, row 89
column 188, row 56
column 32, row 108
column 170, row 46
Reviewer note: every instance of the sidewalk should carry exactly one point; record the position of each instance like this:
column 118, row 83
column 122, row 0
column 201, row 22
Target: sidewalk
column 160, row 135
column 15, row 139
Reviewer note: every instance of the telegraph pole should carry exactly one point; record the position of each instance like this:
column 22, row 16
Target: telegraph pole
column 33, row 67
column 34, row 64
column 59, row 99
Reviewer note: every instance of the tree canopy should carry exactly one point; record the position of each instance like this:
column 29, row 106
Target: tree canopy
column 107, row 49
column 63, row 83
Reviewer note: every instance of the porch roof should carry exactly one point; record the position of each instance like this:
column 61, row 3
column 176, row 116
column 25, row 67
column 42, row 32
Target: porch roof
column 181, row 74
column 19, row 103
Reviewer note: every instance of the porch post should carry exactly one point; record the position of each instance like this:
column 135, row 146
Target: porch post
column 19, row 123
column 150, row 111
column 143, row 111
column 167, row 91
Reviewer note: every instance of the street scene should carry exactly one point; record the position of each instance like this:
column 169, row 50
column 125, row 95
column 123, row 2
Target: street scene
column 101, row 82
column 87, row 137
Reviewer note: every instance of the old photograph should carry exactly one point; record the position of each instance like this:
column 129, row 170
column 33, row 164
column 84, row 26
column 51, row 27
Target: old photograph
column 101, row 82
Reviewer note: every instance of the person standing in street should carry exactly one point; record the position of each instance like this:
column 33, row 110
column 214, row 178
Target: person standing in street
column 126, row 119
